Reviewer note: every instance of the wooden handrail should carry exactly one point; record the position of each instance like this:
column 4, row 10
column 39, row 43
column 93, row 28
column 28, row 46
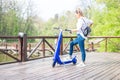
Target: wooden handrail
column 9, row 37
column 30, row 37
column 104, row 37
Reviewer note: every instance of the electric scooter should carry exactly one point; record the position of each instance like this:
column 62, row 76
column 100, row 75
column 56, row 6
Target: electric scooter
column 56, row 58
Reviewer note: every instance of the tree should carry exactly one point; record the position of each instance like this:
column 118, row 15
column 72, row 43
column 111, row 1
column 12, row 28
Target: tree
column 15, row 18
column 107, row 23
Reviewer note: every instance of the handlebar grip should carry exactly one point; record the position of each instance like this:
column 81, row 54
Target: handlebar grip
column 68, row 30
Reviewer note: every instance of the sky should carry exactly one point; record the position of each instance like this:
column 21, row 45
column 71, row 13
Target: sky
column 48, row 8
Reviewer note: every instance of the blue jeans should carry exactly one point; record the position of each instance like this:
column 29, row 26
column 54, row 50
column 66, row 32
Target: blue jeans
column 80, row 41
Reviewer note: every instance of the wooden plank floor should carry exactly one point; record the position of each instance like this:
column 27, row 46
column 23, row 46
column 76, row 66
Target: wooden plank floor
column 99, row 66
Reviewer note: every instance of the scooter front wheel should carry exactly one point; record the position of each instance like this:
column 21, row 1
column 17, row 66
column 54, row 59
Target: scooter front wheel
column 74, row 61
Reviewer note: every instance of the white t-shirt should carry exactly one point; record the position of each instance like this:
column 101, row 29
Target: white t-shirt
column 82, row 21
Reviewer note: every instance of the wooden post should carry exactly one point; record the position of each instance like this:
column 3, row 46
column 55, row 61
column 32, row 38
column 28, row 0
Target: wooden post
column 91, row 46
column 16, row 46
column 20, row 41
column 29, row 47
column 6, row 45
column 106, row 45
column 22, row 47
column 43, row 47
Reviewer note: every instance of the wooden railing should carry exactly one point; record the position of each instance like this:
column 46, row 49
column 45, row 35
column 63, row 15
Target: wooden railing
column 25, row 51
column 105, row 39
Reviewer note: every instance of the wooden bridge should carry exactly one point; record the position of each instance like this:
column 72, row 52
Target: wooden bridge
column 99, row 66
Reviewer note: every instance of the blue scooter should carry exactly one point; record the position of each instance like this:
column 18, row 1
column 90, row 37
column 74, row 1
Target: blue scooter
column 56, row 58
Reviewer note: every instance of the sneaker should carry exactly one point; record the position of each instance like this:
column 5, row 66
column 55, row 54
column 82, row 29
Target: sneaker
column 82, row 64
column 71, row 57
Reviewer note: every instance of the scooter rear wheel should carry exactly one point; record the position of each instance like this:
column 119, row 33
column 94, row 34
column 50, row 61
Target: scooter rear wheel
column 53, row 65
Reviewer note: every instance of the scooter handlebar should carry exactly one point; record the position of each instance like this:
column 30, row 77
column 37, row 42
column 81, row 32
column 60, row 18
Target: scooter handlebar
column 56, row 28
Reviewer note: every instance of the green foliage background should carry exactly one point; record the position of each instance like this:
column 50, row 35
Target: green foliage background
column 106, row 22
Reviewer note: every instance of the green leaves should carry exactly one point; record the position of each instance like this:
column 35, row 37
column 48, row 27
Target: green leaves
column 107, row 23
